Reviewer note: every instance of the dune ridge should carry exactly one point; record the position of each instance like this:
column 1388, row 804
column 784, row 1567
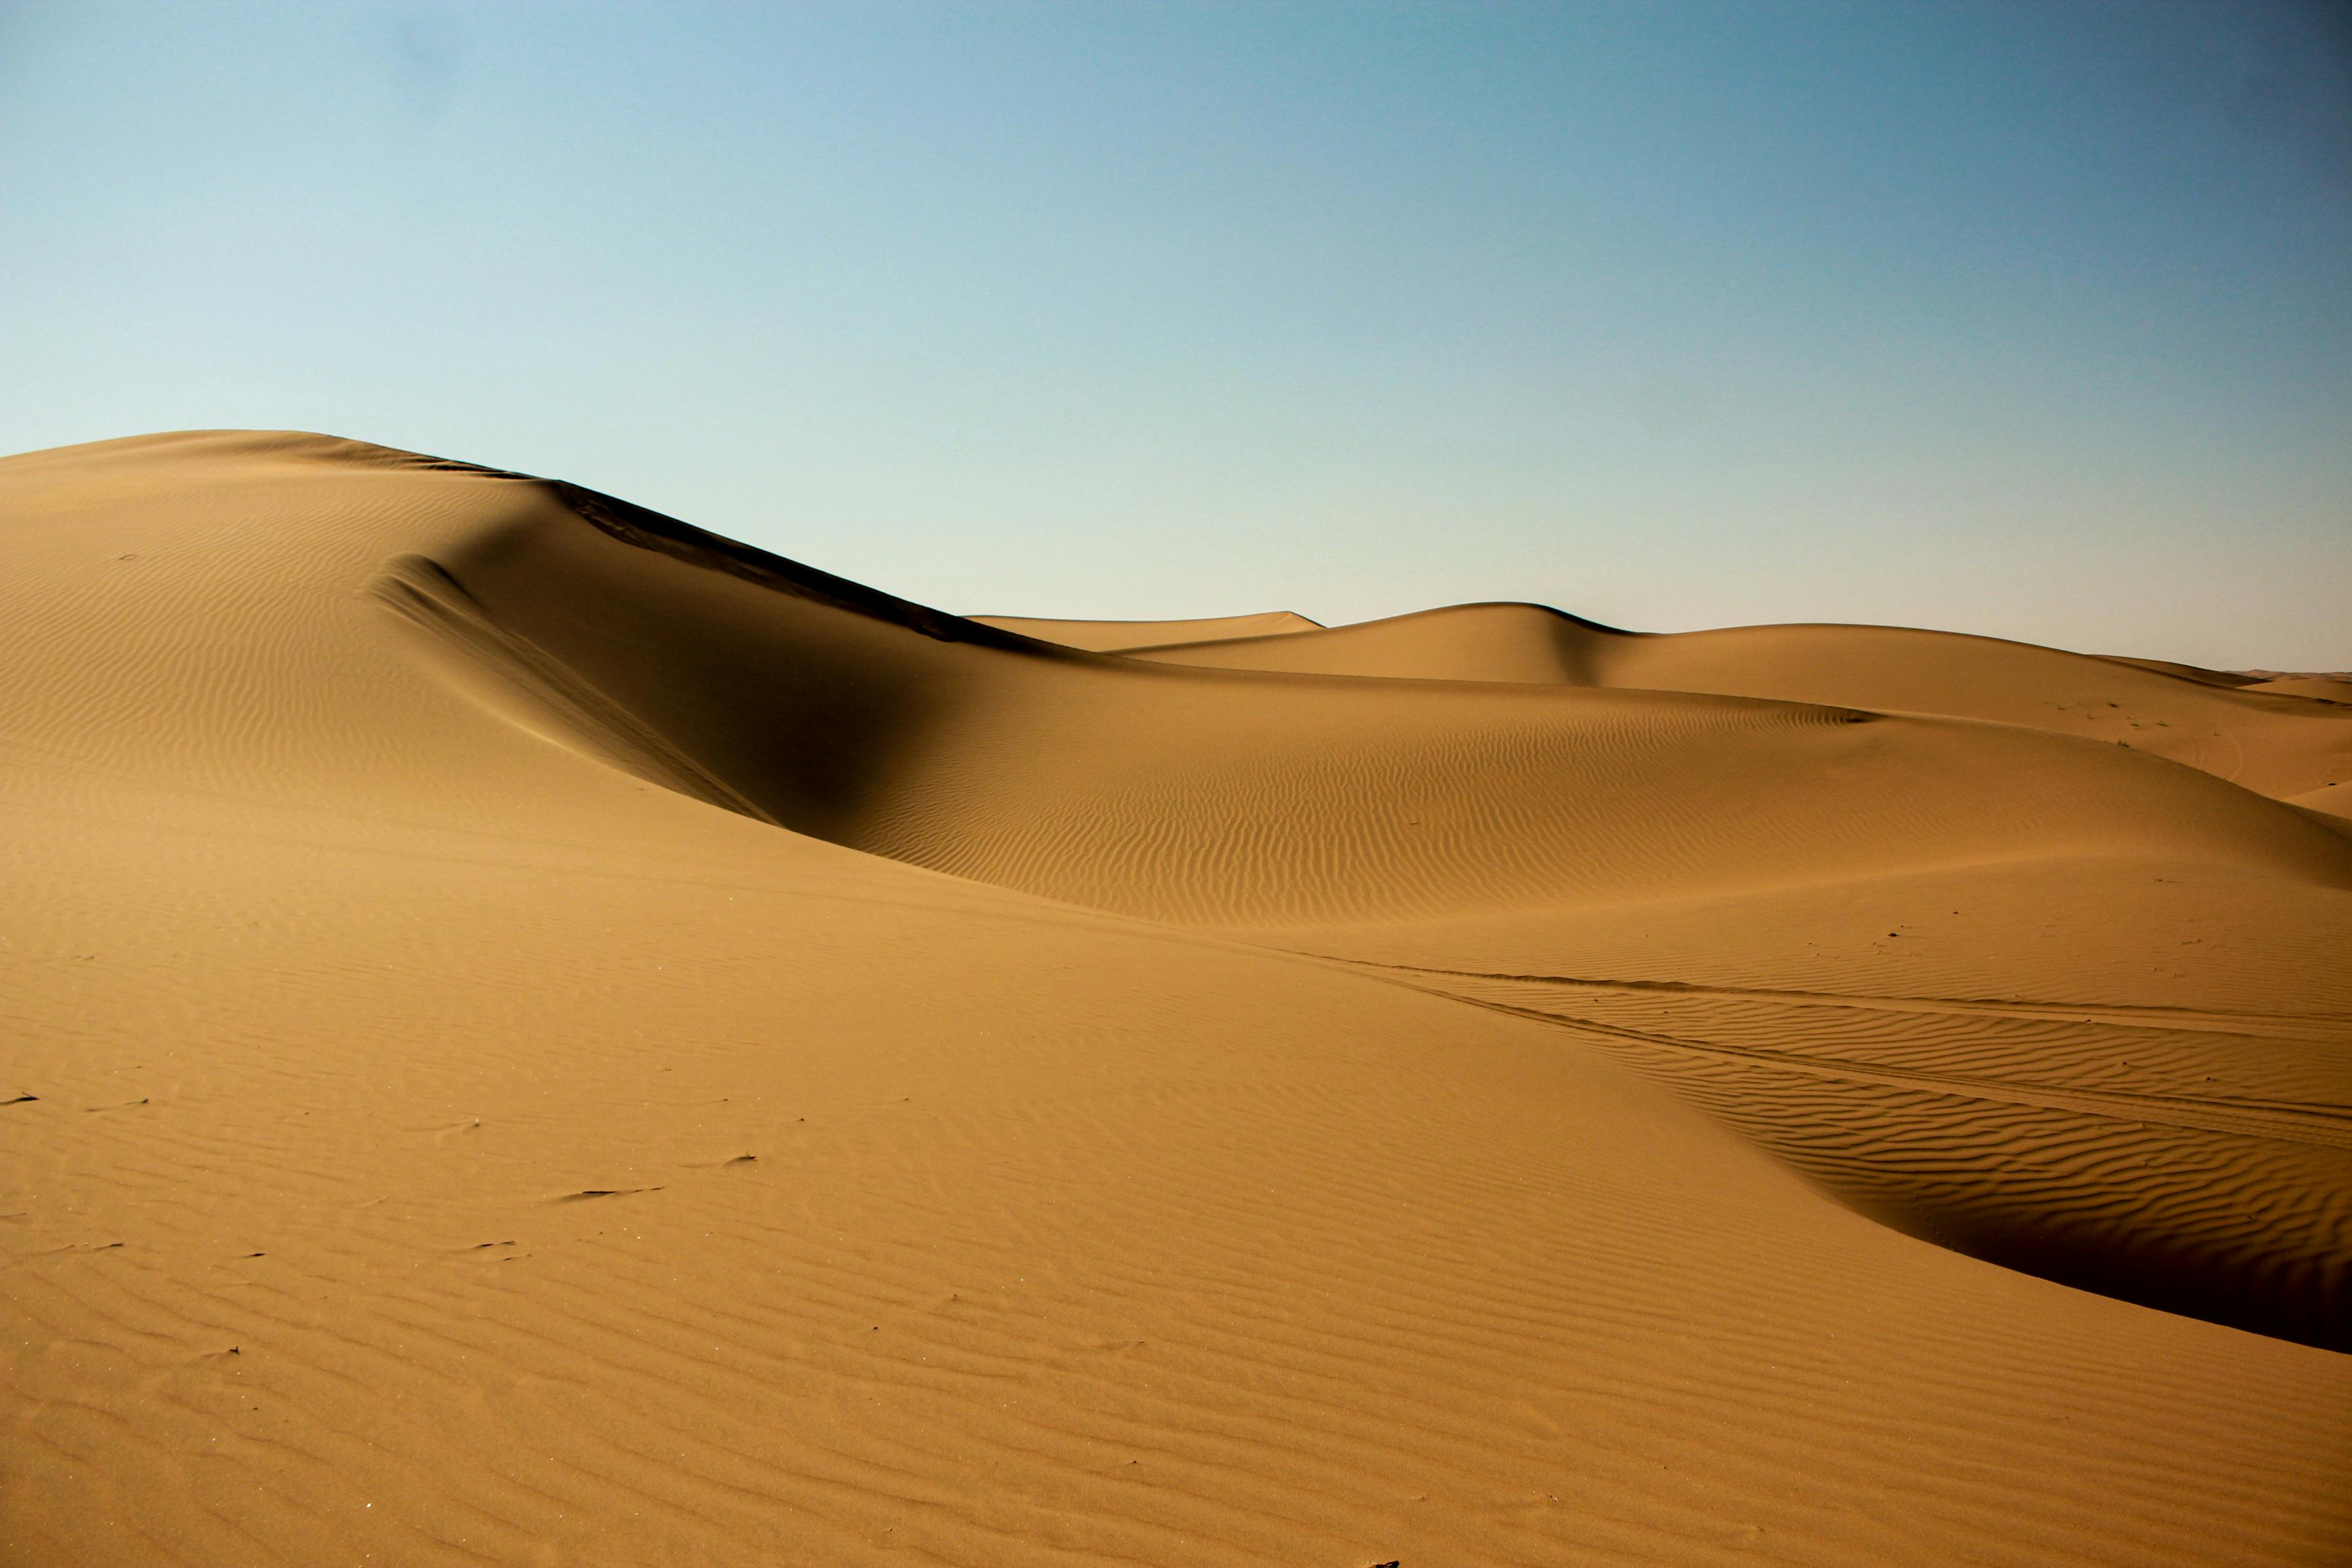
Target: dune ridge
column 2276, row 737
column 1121, row 636
column 1249, row 798
column 540, row 1034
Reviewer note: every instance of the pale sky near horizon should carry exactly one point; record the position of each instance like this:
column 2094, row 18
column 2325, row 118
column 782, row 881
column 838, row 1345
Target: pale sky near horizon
column 2032, row 320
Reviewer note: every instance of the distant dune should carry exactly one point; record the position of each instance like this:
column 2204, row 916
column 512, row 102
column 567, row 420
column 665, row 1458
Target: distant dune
column 2264, row 735
column 1118, row 637
column 536, row 1033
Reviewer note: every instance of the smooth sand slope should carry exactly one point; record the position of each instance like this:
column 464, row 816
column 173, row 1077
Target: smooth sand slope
column 534, row 1033
column 2278, row 736
column 1114, row 636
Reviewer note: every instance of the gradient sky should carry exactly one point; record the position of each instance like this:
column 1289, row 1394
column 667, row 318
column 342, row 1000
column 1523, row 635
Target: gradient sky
column 2032, row 320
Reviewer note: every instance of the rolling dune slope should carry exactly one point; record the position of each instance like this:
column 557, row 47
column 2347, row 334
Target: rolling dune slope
column 1113, row 636
column 2337, row 688
column 536, row 1034
column 2271, row 737
column 1247, row 798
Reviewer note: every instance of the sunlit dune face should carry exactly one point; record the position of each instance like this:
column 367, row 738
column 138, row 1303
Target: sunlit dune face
column 537, row 1033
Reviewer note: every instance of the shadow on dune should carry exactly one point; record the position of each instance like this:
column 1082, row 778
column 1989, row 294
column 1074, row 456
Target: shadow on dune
column 659, row 648
column 1253, row 798
column 1197, row 789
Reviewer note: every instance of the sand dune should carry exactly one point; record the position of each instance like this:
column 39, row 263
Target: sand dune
column 539, row 1034
column 2327, row 688
column 1114, row 636
column 1248, row 798
column 2334, row 799
column 2268, row 736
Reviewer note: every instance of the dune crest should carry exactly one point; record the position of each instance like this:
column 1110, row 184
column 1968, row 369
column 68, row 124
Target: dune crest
column 2268, row 736
column 1254, row 798
column 537, row 1031
column 1118, row 636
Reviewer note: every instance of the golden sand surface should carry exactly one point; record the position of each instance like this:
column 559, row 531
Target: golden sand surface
column 534, row 1033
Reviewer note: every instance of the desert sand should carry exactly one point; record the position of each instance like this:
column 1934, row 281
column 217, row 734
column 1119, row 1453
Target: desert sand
column 535, row 1034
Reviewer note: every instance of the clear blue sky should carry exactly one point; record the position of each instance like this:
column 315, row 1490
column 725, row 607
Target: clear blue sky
column 2033, row 320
